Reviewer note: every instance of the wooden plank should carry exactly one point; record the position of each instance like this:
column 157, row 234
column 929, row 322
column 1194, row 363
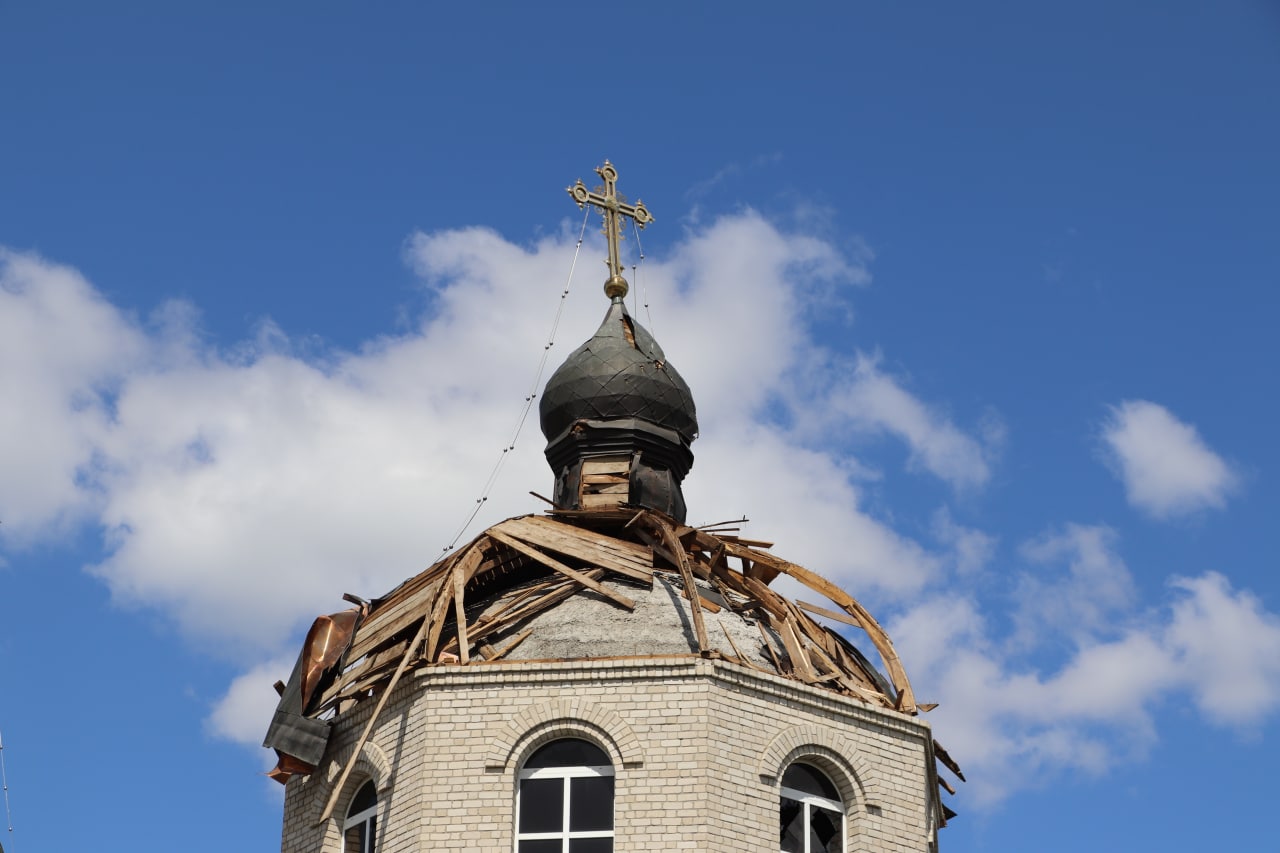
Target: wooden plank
column 496, row 654
column 833, row 615
column 606, row 465
column 392, row 617
column 691, row 588
column 625, row 558
column 552, row 563
column 768, row 647
column 609, row 479
column 707, row 604
column 591, row 501
column 947, row 761
column 795, row 649
column 459, row 611
column 362, row 669
column 438, row 611
column 620, row 489
column 609, row 543
column 906, row 697
column 373, row 719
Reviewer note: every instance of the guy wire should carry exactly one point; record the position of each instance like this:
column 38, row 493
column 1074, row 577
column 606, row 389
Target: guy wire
column 635, row 273
column 528, row 400
column 4, row 781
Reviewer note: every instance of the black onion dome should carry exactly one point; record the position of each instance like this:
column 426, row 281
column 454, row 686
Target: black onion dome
column 619, row 373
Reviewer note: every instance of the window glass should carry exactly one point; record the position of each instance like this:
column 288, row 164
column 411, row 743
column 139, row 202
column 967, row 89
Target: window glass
column 564, row 803
column 542, row 805
column 810, row 814
column 824, row 830
column 570, row 752
column 791, row 834
column 810, row 780
column 360, row 829
column 591, row 803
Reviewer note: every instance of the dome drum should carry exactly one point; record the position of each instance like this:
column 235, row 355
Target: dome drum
column 590, row 455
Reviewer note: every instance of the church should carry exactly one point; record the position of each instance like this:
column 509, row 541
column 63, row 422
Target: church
column 602, row 676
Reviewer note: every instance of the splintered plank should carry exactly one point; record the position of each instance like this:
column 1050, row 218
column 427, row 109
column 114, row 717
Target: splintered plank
column 625, row 558
column 947, row 761
column 390, row 619
column 674, row 546
column 460, row 614
column 343, row 685
column 795, row 648
column 373, row 719
column 906, row 698
column 490, row 653
column 551, row 563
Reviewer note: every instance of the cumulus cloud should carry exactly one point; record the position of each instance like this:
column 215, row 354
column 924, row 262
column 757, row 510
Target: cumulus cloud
column 64, row 351
column 240, row 490
column 1166, row 467
column 1017, row 719
column 241, row 715
column 869, row 399
column 1081, row 600
column 971, row 549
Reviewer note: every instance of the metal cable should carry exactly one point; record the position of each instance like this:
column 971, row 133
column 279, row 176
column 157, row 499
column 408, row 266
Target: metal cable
column 528, row 400
column 635, row 273
column 4, row 781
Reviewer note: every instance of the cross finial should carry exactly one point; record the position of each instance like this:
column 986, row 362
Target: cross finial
column 614, row 208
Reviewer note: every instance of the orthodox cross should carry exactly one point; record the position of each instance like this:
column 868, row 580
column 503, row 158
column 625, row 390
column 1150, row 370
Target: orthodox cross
column 614, row 208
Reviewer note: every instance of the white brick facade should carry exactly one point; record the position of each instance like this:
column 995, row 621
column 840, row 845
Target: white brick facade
column 697, row 746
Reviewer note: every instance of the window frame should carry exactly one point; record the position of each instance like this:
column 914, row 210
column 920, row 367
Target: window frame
column 368, row 817
column 566, row 775
column 808, row 801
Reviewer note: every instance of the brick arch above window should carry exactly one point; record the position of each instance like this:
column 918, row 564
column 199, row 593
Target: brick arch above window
column 830, row 751
column 560, row 718
column 371, row 764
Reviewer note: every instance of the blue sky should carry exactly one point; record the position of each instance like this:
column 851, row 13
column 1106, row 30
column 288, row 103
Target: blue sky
column 977, row 302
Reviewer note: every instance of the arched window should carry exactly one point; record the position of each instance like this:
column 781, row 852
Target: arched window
column 810, row 811
column 565, row 800
column 360, row 829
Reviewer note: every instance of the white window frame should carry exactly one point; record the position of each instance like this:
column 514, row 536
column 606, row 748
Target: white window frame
column 565, row 835
column 810, row 800
column 365, row 816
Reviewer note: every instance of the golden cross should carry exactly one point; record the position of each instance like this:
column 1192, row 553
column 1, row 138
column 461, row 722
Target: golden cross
column 614, row 208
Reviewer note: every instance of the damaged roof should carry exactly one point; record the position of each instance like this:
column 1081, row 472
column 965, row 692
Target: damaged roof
column 615, row 582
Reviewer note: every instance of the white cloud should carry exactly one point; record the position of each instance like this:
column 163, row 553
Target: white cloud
column 242, row 714
column 1081, row 601
column 1166, row 467
column 1016, row 719
column 870, row 400
column 971, row 549
column 242, row 490
column 63, row 351
column 1229, row 648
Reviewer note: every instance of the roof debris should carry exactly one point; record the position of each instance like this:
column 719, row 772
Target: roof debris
column 475, row 607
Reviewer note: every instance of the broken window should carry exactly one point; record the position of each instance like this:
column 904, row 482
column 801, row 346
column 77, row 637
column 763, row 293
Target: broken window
column 811, row 815
column 360, row 829
column 565, row 800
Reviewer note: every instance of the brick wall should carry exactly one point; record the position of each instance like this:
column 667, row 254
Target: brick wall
column 697, row 747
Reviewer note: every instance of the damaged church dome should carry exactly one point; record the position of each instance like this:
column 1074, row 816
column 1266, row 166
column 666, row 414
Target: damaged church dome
column 620, row 373
column 619, row 420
